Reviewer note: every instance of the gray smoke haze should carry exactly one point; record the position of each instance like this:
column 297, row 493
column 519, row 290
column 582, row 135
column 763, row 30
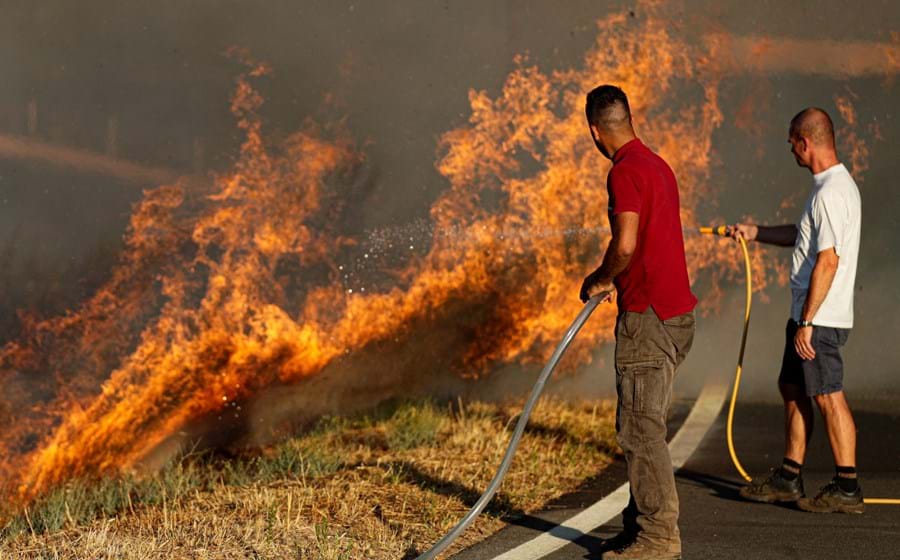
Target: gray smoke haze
column 147, row 82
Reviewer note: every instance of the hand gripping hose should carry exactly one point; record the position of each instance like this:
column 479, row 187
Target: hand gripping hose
column 517, row 433
column 729, row 431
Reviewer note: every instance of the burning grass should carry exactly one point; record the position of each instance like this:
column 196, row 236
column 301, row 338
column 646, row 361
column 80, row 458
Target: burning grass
column 381, row 485
column 259, row 277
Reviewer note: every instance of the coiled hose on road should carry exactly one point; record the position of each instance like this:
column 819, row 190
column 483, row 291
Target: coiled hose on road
column 579, row 322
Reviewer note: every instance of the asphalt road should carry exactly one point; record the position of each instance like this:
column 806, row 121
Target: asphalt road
column 716, row 523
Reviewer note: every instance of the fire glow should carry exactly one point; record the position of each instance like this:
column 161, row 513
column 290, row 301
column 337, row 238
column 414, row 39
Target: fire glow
column 223, row 290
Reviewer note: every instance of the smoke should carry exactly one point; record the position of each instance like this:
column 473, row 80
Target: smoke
column 772, row 190
column 398, row 86
column 842, row 59
column 158, row 72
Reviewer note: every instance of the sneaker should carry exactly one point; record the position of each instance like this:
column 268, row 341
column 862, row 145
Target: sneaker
column 774, row 488
column 831, row 499
column 639, row 550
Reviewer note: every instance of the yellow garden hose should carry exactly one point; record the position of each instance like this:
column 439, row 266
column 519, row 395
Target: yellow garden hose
column 729, row 429
column 722, row 230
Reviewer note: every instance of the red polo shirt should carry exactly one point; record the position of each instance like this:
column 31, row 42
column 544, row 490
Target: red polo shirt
column 641, row 181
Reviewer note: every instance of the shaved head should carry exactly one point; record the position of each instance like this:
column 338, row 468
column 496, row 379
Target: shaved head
column 815, row 125
column 609, row 119
column 607, row 108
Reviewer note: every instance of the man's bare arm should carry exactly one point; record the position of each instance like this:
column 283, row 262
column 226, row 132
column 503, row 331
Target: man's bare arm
column 783, row 236
column 617, row 257
column 820, row 282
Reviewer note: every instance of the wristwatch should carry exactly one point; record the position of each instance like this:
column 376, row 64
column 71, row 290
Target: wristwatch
column 804, row 323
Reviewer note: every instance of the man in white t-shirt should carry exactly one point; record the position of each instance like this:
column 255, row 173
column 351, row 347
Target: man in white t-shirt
column 826, row 246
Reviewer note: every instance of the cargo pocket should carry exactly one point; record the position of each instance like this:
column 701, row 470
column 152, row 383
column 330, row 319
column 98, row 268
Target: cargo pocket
column 641, row 386
column 680, row 332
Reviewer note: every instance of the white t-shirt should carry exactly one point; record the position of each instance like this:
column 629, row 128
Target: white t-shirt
column 832, row 218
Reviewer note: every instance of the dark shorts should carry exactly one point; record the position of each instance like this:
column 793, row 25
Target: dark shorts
column 823, row 374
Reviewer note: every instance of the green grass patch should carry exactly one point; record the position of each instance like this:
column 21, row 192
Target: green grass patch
column 414, row 425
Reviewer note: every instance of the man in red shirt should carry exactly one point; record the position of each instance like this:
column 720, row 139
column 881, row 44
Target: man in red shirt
column 645, row 265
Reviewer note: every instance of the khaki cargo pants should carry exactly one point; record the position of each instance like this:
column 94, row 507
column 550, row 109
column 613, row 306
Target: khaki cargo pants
column 648, row 352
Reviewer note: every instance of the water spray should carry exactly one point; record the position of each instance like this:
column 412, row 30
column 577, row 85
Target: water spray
column 519, row 430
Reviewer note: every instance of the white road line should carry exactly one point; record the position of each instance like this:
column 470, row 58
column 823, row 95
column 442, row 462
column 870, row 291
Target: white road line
column 685, row 442
column 706, row 410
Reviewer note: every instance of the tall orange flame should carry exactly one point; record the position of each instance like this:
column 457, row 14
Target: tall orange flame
column 224, row 291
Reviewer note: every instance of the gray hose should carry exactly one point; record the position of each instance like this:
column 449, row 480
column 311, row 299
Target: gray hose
column 517, row 433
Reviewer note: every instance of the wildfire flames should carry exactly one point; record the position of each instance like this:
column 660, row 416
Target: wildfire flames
column 222, row 290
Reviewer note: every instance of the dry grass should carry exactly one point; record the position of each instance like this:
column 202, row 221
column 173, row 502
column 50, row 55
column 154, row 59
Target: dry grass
column 383, row 486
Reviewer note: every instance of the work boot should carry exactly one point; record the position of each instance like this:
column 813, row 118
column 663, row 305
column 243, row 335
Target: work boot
column 831, row 499
column 643, row 550
column 619, row 541
column 774, row 488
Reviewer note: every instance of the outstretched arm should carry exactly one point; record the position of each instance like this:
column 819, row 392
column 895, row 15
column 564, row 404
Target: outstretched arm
column 783, row 236
column 617, row 257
